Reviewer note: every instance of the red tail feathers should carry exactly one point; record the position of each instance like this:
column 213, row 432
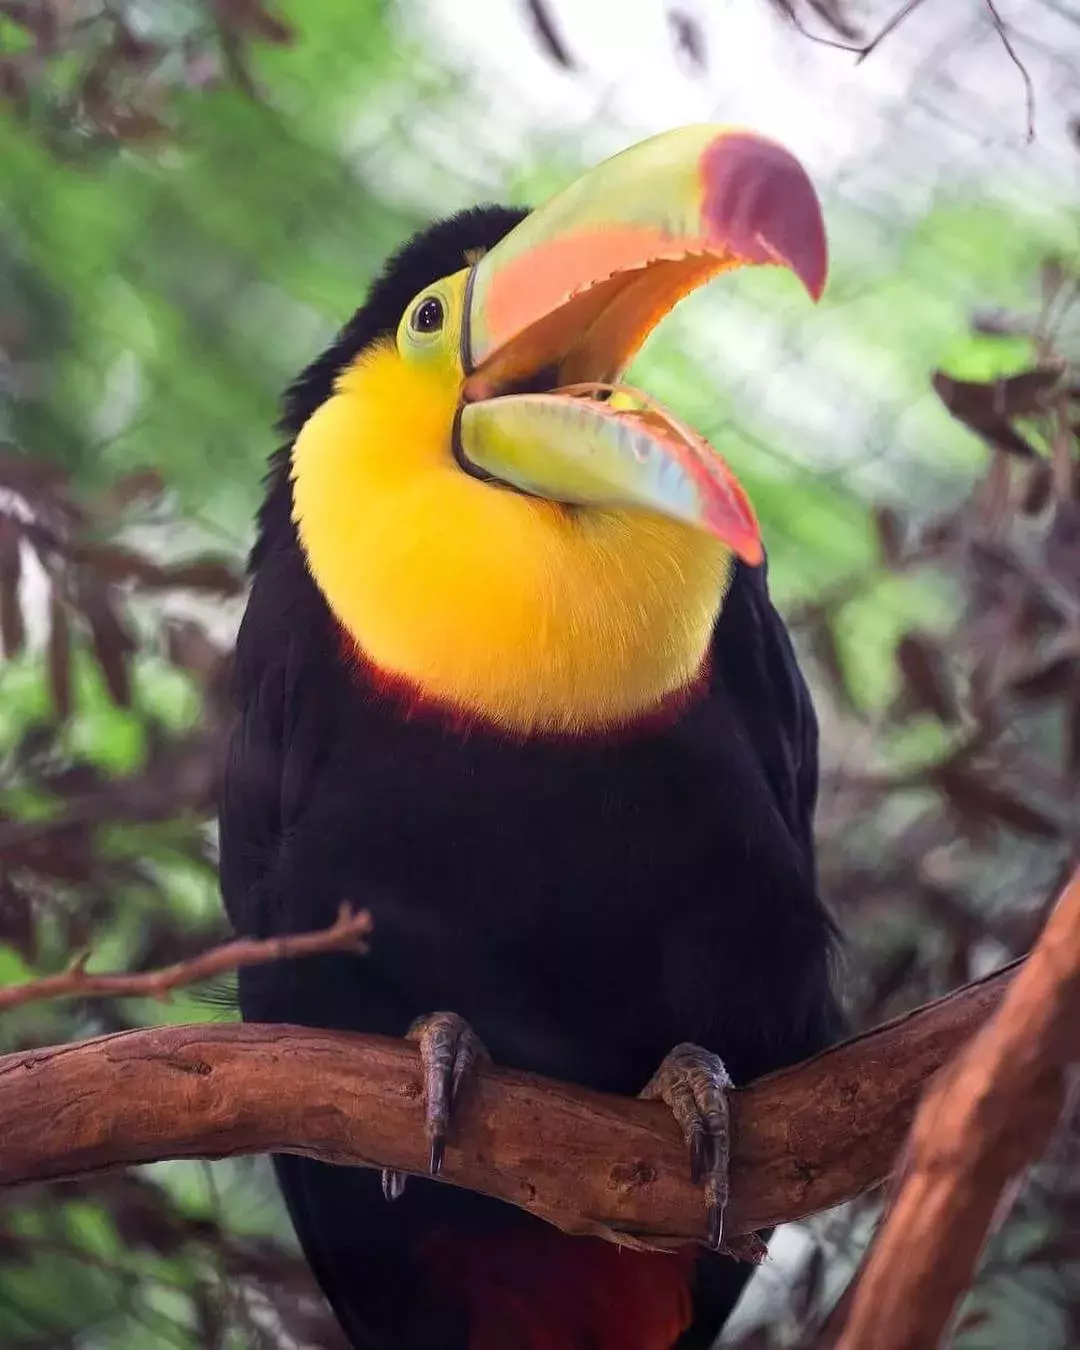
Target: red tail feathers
column 543, row 1290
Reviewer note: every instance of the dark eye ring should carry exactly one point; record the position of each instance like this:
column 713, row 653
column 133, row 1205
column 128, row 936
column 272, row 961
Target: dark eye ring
column 427, row 317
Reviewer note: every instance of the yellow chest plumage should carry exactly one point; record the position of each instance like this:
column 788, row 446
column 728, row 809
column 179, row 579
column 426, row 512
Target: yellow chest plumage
column 527, row 614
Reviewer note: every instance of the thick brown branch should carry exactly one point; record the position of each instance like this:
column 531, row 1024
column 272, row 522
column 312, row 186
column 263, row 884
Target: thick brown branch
column 991, row 1112
column 803, row 1140
column 345, row 934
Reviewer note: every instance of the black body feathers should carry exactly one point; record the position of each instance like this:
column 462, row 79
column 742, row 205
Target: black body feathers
column 585, row 905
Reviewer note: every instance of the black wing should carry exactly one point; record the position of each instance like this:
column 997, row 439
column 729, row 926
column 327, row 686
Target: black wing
column 753, row 654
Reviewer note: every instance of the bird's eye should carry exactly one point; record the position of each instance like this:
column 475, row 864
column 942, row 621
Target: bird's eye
column 427, row 317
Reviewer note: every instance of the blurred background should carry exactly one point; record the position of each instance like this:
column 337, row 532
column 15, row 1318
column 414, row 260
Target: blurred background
column 195, row 193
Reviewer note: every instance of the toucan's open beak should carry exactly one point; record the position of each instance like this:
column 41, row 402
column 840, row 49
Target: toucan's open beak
column 556, row 311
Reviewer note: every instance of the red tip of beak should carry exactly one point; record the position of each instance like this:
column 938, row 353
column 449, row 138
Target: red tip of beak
column 759, row 202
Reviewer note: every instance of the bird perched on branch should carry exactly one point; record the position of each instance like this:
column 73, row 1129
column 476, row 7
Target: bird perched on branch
column 510, row 677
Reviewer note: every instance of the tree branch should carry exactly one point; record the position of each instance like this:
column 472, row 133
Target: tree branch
column 345, row 934
column 803, row 1140
column 991, row 1113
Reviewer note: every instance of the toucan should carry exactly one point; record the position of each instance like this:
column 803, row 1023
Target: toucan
column 510, row 677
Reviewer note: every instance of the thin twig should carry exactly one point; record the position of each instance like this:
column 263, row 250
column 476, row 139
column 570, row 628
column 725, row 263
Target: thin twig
column 893, row 24
column 345, row 934
column 1029, row 88
column 861, row 50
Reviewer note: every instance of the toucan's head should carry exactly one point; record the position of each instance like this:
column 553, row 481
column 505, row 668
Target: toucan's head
column 492, row 517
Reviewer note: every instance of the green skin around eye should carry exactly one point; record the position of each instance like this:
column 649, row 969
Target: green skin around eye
column 441, row 343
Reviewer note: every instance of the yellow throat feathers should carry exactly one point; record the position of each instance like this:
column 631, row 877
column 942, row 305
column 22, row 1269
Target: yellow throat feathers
column 526, row 614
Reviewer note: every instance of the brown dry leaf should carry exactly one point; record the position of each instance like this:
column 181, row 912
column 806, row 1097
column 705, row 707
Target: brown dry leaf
column 940, row 533
column 17, row 927
column 135, row 125
column 983, row 690
column 925, row 669
column 1037, row 490
column 973, row 1320
column 111, row 641
column 189, row 648
column 987, row 408
column 1046, row 681
column 980, row 803
column 999, row 435
column 206, row 574
column 140, row 486
column 1052, row 1251
column 253, row 16
column 74, row 780
column 28, row 477
column 113, row 563
column 59, row 658
column 1032, row 616
column 145, row 1223
column 14, row 88
column 823, row 645
column 1062, row 548
column 12, row 623
column 118, row 564
column 134, row 51
column 95, row 95
column 890, row 527
column 1023, row 395
column 63, row 854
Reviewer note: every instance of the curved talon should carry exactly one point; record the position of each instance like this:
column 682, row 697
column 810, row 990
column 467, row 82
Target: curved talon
column 450, row 1052
column 697, row 1156
column 715, row 1209
column 693, row 1083
column 393, row 1184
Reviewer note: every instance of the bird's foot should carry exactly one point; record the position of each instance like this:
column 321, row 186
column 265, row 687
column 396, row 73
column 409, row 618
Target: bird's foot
column 450, row 1053
column 694, row 1084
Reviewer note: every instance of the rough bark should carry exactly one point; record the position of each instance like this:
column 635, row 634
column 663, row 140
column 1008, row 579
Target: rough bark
column 803, row 1140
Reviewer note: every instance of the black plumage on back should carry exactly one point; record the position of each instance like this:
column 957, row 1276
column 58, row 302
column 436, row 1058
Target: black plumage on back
column 584, row 904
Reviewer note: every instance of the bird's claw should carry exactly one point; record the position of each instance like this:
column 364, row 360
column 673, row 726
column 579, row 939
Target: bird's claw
column 693, row 1083
column 450, row 1052
column 393, row 1184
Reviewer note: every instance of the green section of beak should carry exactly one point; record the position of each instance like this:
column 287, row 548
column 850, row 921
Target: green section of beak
column 626, row 452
